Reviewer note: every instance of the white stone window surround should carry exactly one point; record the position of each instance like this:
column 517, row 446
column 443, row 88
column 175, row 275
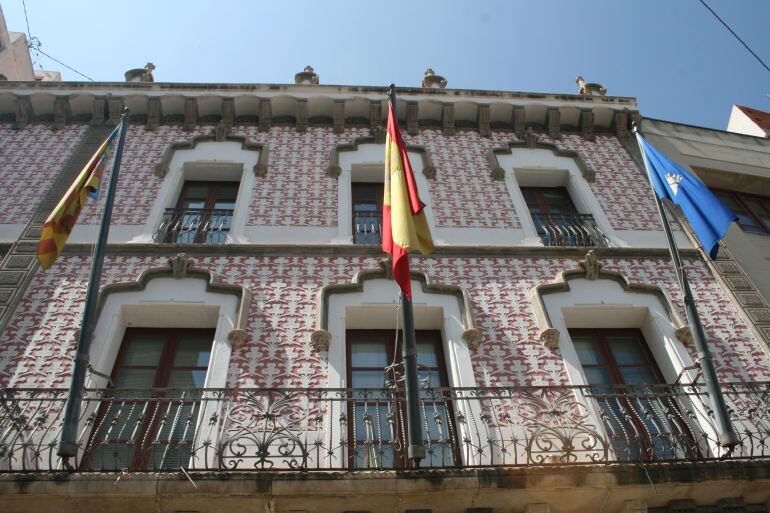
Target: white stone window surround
column 540, row 167
column 367, row 164
column 610, row 302
column 168, row 298
column 225, row 161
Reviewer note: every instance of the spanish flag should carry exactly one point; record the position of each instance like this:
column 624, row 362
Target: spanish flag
column 59, row 225
column 404, row 226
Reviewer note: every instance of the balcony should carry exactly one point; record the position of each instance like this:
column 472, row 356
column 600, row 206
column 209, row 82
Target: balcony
column 344, row 429
column 367, row 227
column 576, row 230
column 194, row 226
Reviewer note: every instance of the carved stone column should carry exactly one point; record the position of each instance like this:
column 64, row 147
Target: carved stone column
column 98, row 109
column 587, row 123
column 553, row 122
column 61, row 112
column 265, row 114
column 115, row 110
column 154, row 114
column 302, row 115
column 23, row 112
column 339, row 116
column 518, row 120
column 484, row 125
column 190, row 114
column 620, row 123
column 448, row 118
column 228, row 113
column 412, row 118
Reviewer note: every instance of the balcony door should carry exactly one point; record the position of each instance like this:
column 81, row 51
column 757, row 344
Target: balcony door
column 557, row 220
column 641, row 417
column 377, row 431
column 203, row 214
column 147, row 418
column 367, row 212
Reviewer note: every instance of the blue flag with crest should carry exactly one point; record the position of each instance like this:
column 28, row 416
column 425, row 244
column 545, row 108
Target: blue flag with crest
column 707, row 216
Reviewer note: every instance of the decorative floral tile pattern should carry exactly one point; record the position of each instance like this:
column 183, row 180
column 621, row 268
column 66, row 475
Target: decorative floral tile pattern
column 37, row 347
column 30, row 160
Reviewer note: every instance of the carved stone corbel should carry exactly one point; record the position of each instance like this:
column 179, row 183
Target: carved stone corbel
column 550, row 338
column 684, row 335
column 448, row 118
column 115, row 111
column 473, row 338
column 302, row 115
column 181, row 265
column 620, row 123
column 497, row 174
column 61, row 112
column 190, row 114
column 321, row 340
column 23, row 112
column 260, row 168
column 518, row 120
column 228, row 112
column 237, row 338
column 98, row 108
column 484, row 125
column 591, row 265
column 221, row 131
column 265, row 114
column 553, row 122
column 339, row 116
column 530, row 137
column 412, row 117
column 154, row 114
column 587, row 124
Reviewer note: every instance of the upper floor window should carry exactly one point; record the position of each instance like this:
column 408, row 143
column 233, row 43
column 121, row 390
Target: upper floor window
column 367, row 212
column 557, row 221
column 753, row 211
column 203, row 214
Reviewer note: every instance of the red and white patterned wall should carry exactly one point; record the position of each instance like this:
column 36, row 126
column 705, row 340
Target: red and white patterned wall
column 37, row 346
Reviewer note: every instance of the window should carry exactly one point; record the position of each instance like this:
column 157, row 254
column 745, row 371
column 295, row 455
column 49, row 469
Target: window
column 753, row 211
column 148, row 417
column 367, row 212
column 557, row 221
column 377, row 436
column 203, row 214
column 642, row 421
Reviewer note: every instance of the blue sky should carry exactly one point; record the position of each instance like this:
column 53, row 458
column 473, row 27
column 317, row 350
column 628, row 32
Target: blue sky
column 672, row 55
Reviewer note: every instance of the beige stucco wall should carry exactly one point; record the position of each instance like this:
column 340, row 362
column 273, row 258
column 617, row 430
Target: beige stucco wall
column 15, row 62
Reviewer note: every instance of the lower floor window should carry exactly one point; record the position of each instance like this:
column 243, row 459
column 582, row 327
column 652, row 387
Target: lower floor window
column 377, row 432
column 147, row 419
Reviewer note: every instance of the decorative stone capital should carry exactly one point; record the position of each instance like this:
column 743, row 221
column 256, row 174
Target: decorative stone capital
column 591, row 265
column 530, row 137
column 221, row 131
column 321, row 340
column 237, row 338
column 181, row 264
column 550, row 338
column 473, row 338
column 684, row 335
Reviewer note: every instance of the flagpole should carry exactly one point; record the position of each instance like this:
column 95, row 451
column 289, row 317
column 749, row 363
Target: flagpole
column 727, row 436
column 68, row 446
column 415, row 448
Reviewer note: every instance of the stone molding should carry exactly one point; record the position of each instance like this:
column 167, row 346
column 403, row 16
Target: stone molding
column 561, row 284
column 498, row 173
column 219, row 134
column 334, row 170
column 184, row 267
column 471, row 334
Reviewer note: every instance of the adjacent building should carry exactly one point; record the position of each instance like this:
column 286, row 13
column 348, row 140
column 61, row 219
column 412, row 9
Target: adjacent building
column 247, row 351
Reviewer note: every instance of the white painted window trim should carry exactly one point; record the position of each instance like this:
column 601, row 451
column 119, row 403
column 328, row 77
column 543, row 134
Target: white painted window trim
column 210, row 161
column 539, row 167
column 367, row 164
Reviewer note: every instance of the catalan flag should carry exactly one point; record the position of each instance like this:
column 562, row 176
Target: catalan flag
column 404, row 226
column 60, row 223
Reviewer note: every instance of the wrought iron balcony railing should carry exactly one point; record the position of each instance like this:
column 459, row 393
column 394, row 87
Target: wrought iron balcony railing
column 194, row 226
column 308, row 429
column 578, row 230
column 367, row 227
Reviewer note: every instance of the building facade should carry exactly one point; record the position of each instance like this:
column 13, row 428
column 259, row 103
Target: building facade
column 246, row 353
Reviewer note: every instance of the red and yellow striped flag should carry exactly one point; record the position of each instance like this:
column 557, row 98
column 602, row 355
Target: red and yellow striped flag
column 404, row 226
column 59, row 225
